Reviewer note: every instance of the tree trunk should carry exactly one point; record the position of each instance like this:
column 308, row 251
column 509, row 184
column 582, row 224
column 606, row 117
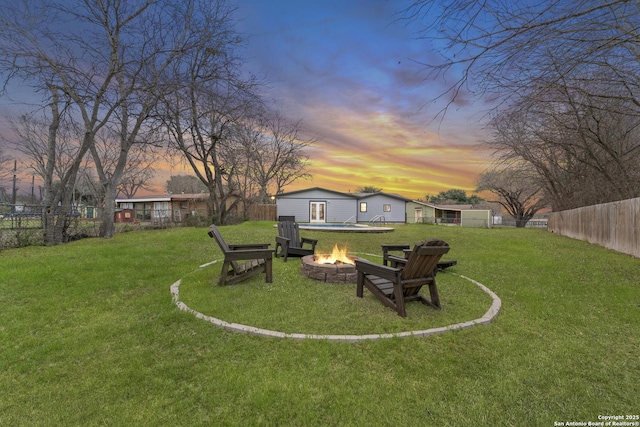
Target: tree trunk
column 108, row 226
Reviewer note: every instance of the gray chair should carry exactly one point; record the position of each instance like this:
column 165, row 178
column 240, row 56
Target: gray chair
column 257, row 259
column 394, row 260
column 395, row 286
column 289, row 243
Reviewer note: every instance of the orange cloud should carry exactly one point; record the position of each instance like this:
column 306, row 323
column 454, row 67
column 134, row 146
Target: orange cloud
column 357, row 149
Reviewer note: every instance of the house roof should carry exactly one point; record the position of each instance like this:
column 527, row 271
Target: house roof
column 391, row 195
column 145, row 199
column 165, row 198
column 455, row 207
column 445, row 207
column 380, row 193
column 352, row 195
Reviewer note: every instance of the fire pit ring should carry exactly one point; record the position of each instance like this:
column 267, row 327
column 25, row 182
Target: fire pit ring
column 328, row 273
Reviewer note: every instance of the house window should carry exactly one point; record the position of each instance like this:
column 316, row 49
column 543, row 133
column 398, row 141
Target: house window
column 143, row 211
column 363, row 206
column 161, row 210
column 126, row 205
column 386, row 208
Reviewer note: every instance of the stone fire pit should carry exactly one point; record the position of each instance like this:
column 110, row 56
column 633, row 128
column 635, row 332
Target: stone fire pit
column 331, row 273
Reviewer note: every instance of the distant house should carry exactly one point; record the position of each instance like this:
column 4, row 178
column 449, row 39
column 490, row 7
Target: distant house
column 322, row 205
column 171, row 207
column 463, row 215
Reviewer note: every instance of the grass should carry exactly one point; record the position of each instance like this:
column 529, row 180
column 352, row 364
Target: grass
column 331, row 308
column 90, row 336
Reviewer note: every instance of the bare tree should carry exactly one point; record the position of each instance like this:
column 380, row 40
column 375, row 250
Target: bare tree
column 274, row 151
column 137, row 177
column 112, row 65
column 159, row 44
column 73, row 68
column 201, row 118
column 518, row 192
column 31, row 138
column 564, row 81
column 5, row 173
column 6, row 165
column 497, row 48
column 584, row 150
column 106, row 159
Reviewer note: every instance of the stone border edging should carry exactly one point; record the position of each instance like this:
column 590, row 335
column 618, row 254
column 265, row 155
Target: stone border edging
column 237, row 327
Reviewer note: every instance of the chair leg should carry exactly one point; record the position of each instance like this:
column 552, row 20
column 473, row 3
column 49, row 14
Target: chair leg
column 360, row 284
column 283, row 245
column 399, row 300
column 433, row 293
column 223, row 274
column 278, row 251
column 269, row 270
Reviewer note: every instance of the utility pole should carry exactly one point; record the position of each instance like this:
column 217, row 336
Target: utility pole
column 13, row 195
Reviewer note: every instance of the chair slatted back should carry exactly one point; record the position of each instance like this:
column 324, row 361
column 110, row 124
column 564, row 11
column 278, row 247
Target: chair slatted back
column 291, row 231
column 423, row 259
column 215, row 233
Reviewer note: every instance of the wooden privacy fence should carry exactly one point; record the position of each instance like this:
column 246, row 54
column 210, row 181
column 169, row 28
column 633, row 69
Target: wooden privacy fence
column 614, row 225
column 262, row 212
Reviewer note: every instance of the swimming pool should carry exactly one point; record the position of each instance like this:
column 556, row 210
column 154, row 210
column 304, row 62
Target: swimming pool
column 344, row 228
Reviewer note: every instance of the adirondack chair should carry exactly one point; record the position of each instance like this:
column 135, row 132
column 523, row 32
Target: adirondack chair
column 257, row 259
column 289, row 243
column 396, row 261
column 396, row 286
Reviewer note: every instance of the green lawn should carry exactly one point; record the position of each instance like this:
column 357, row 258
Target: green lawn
column 90, row 336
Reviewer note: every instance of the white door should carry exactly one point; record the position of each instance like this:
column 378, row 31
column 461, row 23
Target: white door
column 418, row 212
column 317, row 213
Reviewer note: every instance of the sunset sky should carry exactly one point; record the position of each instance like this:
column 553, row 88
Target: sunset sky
column 350, row 70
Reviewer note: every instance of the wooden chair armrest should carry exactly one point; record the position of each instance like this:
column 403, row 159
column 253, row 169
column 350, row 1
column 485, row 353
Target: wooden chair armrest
column 394, row 247
column 249, row 246
column 396, row 261
column 312, row 242
column 282, row 243
column 249, row 254
column 386, row 248
column 367, row 267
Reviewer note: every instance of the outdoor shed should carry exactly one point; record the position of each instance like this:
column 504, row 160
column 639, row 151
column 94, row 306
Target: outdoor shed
column 124, row 215
column 476, row 218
